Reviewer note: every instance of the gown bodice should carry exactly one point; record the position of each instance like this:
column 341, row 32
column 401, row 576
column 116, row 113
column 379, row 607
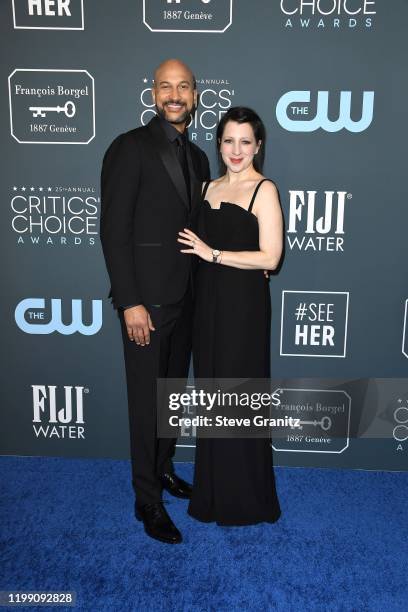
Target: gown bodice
column 229, row 227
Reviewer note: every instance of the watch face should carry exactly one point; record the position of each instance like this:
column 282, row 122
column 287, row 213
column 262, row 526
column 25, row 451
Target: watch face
column 216, row 252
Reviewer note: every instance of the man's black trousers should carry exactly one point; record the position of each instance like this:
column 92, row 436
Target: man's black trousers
column 167, row 356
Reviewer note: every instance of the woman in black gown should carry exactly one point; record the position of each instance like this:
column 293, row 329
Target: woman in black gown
column 238, row 236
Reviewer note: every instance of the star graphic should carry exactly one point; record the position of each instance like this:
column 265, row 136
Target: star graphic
column 145, row 80
column 23, row 189
column 14, row 188
column 40, row 189
column 32, row 188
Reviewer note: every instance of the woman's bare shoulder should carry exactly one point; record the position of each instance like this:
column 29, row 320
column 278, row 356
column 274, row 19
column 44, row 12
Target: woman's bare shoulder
column 267, row 195
column 268, row 187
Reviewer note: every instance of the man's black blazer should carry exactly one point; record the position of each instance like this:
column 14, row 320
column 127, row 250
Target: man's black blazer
column 144, row 204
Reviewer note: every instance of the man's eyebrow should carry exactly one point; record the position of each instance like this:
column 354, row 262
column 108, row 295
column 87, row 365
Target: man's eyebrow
column 180, row 83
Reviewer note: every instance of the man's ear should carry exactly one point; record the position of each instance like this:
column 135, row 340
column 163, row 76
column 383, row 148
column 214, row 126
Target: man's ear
column 153, row 95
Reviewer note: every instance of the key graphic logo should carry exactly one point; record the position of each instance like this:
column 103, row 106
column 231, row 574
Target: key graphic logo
column 52, row 106
column 40, row 111
column 293, row 114
column 323, row 424
column 31, row 318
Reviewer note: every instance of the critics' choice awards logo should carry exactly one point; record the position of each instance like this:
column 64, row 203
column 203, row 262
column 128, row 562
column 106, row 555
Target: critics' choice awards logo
column 33, row 317
column 395, row 416
column 336, row 14
column 294, row 113
column 48, row 14
column 316, row 220
column 314, row 323
column 63, row 216
column 400, row 422
column 211, row 16
column 323, row 424
column 58, row 413
column 215, row 98
column 52, row 106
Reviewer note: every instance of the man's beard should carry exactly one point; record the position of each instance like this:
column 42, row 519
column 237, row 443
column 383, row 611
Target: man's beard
column 183, row 118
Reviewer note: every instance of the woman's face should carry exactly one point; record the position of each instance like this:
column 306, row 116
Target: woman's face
column 238, row 146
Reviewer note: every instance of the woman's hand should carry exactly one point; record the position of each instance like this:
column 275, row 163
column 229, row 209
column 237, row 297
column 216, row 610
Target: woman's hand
column 197, row 246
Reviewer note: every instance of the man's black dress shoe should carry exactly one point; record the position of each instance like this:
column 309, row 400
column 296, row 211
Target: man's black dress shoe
column 176, row 486
column 157, row 523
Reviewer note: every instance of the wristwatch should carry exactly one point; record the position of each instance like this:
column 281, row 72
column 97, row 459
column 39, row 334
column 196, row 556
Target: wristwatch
column 215, row 254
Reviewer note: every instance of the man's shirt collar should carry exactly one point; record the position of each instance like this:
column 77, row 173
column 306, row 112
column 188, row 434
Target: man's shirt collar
column 171, row 132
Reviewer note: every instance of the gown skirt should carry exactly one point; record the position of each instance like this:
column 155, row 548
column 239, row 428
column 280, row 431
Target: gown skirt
column 234, row 482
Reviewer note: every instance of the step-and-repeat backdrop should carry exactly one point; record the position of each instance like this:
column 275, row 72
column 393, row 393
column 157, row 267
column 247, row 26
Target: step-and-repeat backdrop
column 328, row 79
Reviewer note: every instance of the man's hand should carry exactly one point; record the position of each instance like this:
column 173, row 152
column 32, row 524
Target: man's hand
column 138, row 324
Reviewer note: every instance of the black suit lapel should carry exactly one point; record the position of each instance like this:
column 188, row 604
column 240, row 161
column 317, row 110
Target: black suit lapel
column 169, row 159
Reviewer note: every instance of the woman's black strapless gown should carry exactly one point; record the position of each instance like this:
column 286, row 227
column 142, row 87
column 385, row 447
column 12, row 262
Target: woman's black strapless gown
column 234, row 482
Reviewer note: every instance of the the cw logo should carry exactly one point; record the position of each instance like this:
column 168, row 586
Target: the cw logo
column 293, row 100
column 29, row 308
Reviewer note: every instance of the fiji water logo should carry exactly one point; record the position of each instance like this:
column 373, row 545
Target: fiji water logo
column 32, row 317
column 59, row 412
column 293, row 112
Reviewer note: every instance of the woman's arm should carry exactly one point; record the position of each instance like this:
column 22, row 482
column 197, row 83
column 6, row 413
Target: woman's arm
column 269, row 214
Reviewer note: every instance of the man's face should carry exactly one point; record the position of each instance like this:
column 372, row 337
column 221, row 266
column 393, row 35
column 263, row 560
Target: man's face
column 174, row 93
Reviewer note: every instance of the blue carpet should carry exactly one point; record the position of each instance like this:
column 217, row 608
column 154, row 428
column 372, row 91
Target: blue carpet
column 340, row 545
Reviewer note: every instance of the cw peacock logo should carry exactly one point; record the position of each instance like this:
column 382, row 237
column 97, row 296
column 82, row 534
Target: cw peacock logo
column 32, row 317
column 295, row 113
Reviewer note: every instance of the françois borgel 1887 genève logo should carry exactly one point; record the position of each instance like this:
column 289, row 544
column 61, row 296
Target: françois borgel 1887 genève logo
column 50, row 106
column 210, row 16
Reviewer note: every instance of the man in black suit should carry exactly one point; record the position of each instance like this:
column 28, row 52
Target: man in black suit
column 150, row 186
